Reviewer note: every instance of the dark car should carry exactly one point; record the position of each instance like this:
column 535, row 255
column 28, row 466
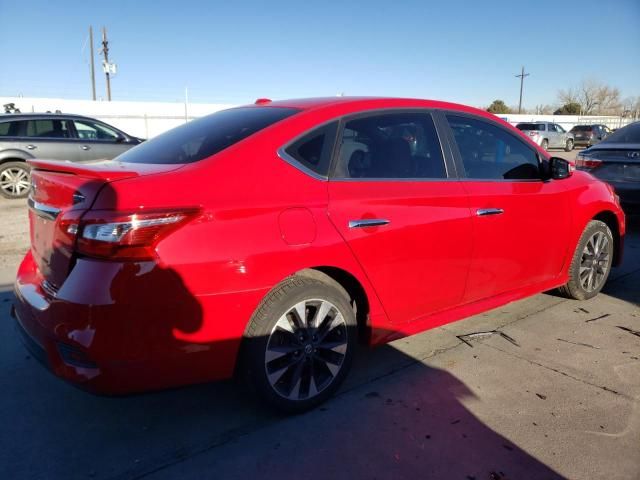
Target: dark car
column 52, row 136
column 588, row 135
column 616, row 160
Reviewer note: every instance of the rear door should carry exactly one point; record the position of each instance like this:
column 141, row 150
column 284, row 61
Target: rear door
column 520, row 222
column 48, row 138
column 397, row 203
column 98, row 141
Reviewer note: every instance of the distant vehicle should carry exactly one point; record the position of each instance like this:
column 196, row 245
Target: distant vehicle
column 52, row 136
column 588, row 135
column 548, row 135
column 616, row 160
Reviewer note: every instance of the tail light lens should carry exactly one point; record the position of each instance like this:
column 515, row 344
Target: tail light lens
column 133, row 236
column 586, row 163
column 533, row 134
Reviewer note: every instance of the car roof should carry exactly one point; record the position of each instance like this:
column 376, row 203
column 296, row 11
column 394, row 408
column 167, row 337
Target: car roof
column 32, row 116
column 369, row 102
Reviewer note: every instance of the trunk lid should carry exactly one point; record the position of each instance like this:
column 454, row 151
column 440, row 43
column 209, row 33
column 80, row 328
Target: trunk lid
column 61, row 193
column 619, row 162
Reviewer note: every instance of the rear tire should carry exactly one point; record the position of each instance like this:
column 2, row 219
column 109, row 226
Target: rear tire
column 545, row 144
column 569, row 146
column 15, row 180
column 591, row 262
column 296, row 363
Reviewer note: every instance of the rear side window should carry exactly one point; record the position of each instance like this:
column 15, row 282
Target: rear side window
column 48, row 128
column 206, row 136
column 314, row 149
column 491, row 153
column 390, row 145
column 537, row 127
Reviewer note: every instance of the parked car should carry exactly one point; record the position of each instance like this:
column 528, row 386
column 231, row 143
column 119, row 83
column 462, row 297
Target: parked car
column 548, row 135
column 264, row 241
column 616, row 160
column 52, row 136
column 587, row 135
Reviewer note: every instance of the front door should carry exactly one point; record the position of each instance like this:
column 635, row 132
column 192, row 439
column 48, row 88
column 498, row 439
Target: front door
column 405, row 219
column 520, row 222
column 97, row 141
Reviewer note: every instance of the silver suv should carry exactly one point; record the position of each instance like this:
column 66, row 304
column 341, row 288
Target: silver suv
column 548, row 135
column 52, row 136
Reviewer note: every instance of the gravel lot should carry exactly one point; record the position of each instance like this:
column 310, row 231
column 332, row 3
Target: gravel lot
column 560, row 401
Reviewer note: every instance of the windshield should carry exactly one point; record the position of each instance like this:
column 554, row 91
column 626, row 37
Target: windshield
column 530, row 126
column 628, row 134
column 206, row 136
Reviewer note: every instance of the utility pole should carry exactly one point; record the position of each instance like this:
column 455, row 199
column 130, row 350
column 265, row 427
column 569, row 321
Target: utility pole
column 105, row 53
column 93, row 69
column 521, row 76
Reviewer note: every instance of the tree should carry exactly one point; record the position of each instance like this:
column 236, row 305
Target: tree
column 594, row 98
column 498, row 106
column 571, row 108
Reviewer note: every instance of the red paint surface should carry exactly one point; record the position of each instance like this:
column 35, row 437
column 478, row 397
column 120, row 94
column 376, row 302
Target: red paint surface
column 179, row 317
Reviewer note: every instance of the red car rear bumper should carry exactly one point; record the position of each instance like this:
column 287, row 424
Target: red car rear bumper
column 92, row 339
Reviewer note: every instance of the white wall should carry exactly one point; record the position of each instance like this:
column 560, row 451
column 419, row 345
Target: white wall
column 141, row 119
column 147, row 119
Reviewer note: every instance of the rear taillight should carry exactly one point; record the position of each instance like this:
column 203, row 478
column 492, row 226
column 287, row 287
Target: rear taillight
column 132, row 236
column 586, row 163
column 533, row 134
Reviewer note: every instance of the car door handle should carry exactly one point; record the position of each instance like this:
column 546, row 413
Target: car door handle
column 368, row 222
column 85, row 147
column 483, row 212
column 31, row 147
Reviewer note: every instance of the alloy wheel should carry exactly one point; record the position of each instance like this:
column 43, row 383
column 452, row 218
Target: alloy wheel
column 14, row 181
column 595, row 261
column 306, row 349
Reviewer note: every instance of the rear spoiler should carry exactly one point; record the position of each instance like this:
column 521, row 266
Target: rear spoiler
column 107, row 170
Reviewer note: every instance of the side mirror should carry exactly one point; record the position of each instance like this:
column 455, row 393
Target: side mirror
column 560, row 168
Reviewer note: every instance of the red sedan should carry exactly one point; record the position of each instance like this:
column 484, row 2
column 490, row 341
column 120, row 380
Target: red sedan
column 265, row 240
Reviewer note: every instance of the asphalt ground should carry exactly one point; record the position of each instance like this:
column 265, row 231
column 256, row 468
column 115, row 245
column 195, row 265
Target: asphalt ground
column 553, row 392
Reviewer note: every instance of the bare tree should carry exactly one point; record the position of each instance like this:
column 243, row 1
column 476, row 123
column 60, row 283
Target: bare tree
column 594, row 98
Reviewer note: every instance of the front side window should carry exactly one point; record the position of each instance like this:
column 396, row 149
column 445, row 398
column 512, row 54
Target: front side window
column 202, row 138
column 552, row 128
column 50, row 128
column 489, row 152
column 314, row 149
column 95, row 131
column 560, row 129
column 390, row 145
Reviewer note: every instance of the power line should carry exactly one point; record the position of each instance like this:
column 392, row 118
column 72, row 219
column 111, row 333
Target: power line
column 93, row 70
column 521, row 76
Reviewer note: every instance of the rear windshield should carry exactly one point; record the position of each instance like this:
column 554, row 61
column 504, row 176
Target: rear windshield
column 628, row 134
column 530, row 126
column 206, row 136
column 581, row 128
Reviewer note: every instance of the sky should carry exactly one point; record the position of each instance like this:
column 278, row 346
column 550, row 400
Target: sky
column 237, row 51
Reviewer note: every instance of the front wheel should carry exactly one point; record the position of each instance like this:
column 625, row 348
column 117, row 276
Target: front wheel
column 14, row 179
column 299, row 344
column 569, row 146
column 591, row 263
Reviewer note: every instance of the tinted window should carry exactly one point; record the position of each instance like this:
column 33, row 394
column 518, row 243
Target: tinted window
column 560, row 129
column 94, row 131
column 4, row 129
column 552, row 128
column 628, row 134
column 538, row 127
column 49, row 128
column 206, row 136
column 490, row 152
column 581, row 128
column 314, row 149
column 393, row 145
